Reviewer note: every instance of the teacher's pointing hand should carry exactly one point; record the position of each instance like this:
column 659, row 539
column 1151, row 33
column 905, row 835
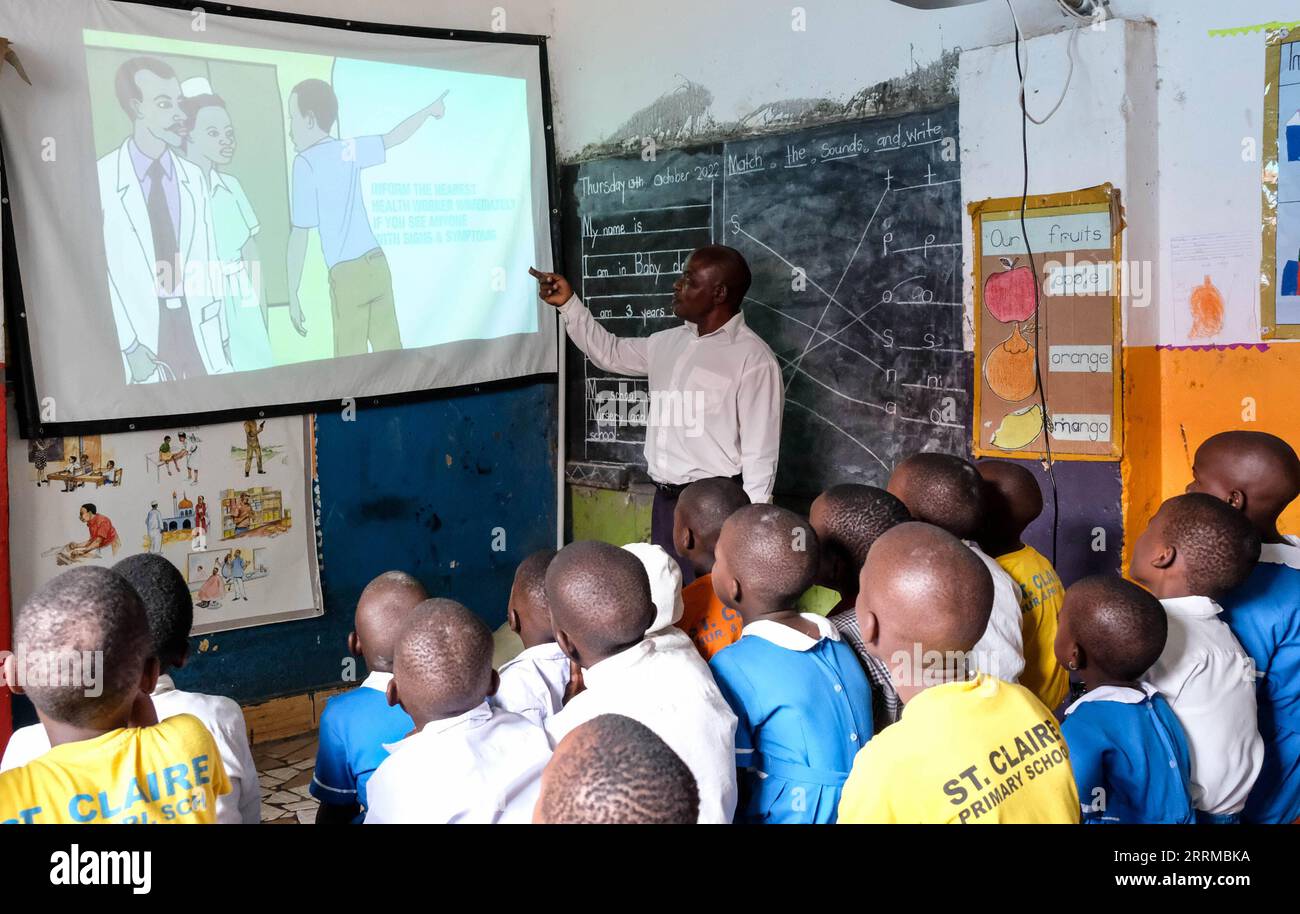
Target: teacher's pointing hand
column 552, row 288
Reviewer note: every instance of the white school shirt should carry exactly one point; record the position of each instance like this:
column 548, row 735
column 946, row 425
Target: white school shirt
column 673, row 693
column 716, row 400
column 1209, row 682
column 483, row 767
column 1000, row 651
column 220, row 715
column 533, row 682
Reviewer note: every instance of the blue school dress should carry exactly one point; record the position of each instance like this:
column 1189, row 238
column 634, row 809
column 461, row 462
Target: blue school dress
column 1264, row 614
column 803, row 711
column 1130, row 758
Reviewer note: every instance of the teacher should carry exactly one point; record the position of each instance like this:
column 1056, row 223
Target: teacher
column 716, row 395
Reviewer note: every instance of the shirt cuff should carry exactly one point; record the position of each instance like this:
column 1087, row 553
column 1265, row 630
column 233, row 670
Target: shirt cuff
column 574, row 303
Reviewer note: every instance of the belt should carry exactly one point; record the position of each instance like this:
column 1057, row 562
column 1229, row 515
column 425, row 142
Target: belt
column 800, row 774
column 674, row 489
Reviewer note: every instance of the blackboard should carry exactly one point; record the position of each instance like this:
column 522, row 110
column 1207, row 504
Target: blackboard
column 853, row 233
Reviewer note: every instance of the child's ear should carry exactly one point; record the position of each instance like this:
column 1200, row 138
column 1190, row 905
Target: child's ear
column 512, row 619
column 1237, row 499
column 734, row 590
column 10, row 671
column 391, row 693
column 1165, row 557
column 354, row 644
column 565, row 645
column 688, row 538
column 149, row 678
column 869, row 627
column 1076, row 658
column 494, row 684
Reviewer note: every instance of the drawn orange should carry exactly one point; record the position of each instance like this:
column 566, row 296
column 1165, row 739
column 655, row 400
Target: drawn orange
column 1012, row 368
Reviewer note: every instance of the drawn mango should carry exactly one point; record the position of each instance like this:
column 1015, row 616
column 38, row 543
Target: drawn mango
column 1011, row 368
column 1020, row 429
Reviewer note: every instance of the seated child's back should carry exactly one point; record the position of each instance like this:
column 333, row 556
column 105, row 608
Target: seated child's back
column 702, row 509
column 967, row 750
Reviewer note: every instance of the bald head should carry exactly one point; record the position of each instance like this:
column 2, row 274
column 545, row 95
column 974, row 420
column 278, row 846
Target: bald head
column 613, row 770
column 600, row 600
column 922, row 585
column 1255, row 472
column 767, row 558
column 1012, row 501
column 728, row 267
column 382, row 609
column 1111, row 628
column 943, row 490
column 443, row 663
column 81, row 613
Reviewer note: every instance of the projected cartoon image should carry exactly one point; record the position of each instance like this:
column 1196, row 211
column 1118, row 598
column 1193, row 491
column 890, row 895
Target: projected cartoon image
column 264, row 208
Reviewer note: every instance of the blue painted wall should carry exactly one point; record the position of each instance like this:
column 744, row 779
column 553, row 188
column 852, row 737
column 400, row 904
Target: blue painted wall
column 417, row 487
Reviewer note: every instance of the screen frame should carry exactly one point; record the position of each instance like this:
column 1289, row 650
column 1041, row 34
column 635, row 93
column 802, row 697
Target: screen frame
column 20, row 373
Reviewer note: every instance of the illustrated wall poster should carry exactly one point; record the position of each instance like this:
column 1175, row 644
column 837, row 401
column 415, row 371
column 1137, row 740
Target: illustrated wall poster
column 1059, row 349
column 229, row 505
column 1279, row 299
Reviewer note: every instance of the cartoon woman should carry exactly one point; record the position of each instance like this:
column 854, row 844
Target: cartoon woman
column 210, row 144
column 211, row 588
column 41, row 457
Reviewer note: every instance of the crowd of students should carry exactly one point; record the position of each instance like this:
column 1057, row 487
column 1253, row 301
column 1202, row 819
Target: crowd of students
column 937, row 689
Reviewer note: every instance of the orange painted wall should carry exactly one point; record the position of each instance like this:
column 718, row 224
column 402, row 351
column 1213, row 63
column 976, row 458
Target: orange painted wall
column 1176, row 398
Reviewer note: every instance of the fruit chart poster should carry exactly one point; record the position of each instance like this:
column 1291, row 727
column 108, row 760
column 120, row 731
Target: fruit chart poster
column 1048, row 364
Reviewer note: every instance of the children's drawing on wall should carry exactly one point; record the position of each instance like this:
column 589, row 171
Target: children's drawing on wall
column 1216, row 288
column 222, row 530
column 1207, row 311
column 100, row 535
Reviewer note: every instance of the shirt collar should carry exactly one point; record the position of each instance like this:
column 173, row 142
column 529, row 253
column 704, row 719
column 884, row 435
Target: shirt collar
column 547, row 650
column 377, row 681
column 165, row 684
column 1287, row 553
column 1193, row 607
column 730, row 329
column 612, row 666
column 141, row 162
column 1125, row 695
column 217, row 179
column 784, row 636
column 473, row 718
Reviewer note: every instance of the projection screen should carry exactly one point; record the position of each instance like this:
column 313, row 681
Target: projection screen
column 214, row 212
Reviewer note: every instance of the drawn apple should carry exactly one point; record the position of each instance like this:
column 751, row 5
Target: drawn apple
column 1009, row 294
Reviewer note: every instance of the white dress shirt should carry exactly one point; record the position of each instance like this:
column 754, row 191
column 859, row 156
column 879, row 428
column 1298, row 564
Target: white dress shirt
column 715, row 400
column 673, row 693
column 483, row 767
column 1000, row 651
column 223, row 719
column 1209, row 681
column 533, row 682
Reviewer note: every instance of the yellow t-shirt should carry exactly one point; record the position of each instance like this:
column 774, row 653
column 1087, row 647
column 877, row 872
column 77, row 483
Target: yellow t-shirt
column 170, row 773
column 1041, row 596
column 965, row 752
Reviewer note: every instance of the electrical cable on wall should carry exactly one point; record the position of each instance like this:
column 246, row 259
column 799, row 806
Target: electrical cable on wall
column 1033, row 266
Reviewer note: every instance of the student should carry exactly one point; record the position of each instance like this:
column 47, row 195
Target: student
column 601, row 606
column 534, row 682
column 1128, row 751
column 1013, row 502
column 111, row 761
column 665, row 577
column 355, row 726
column 948, row 492
column 169, row 614
column 802, row 701
column 466, row 761
column 970, row 747
column 613, row 770
column 1259, row 475
column 1194, row 551
column 848, row 519
column 702, row 509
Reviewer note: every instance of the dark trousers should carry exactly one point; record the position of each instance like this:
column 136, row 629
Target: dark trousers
column 176, row 346
column 661, row 530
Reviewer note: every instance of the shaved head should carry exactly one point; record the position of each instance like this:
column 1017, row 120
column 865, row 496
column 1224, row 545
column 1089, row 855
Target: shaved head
column 381, row 611
column 1111, row 627
column 730, row 267
column 1195, row 543
column 1255, row 472
column 613, row 770
column 443, row 664
column 923, row 586
column 1012, row 501
column 70, row 619
column 600, row 600
column 704, row 506
column 850, row 518
column 530, row 616
column 767, row 558
column 943, row 490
